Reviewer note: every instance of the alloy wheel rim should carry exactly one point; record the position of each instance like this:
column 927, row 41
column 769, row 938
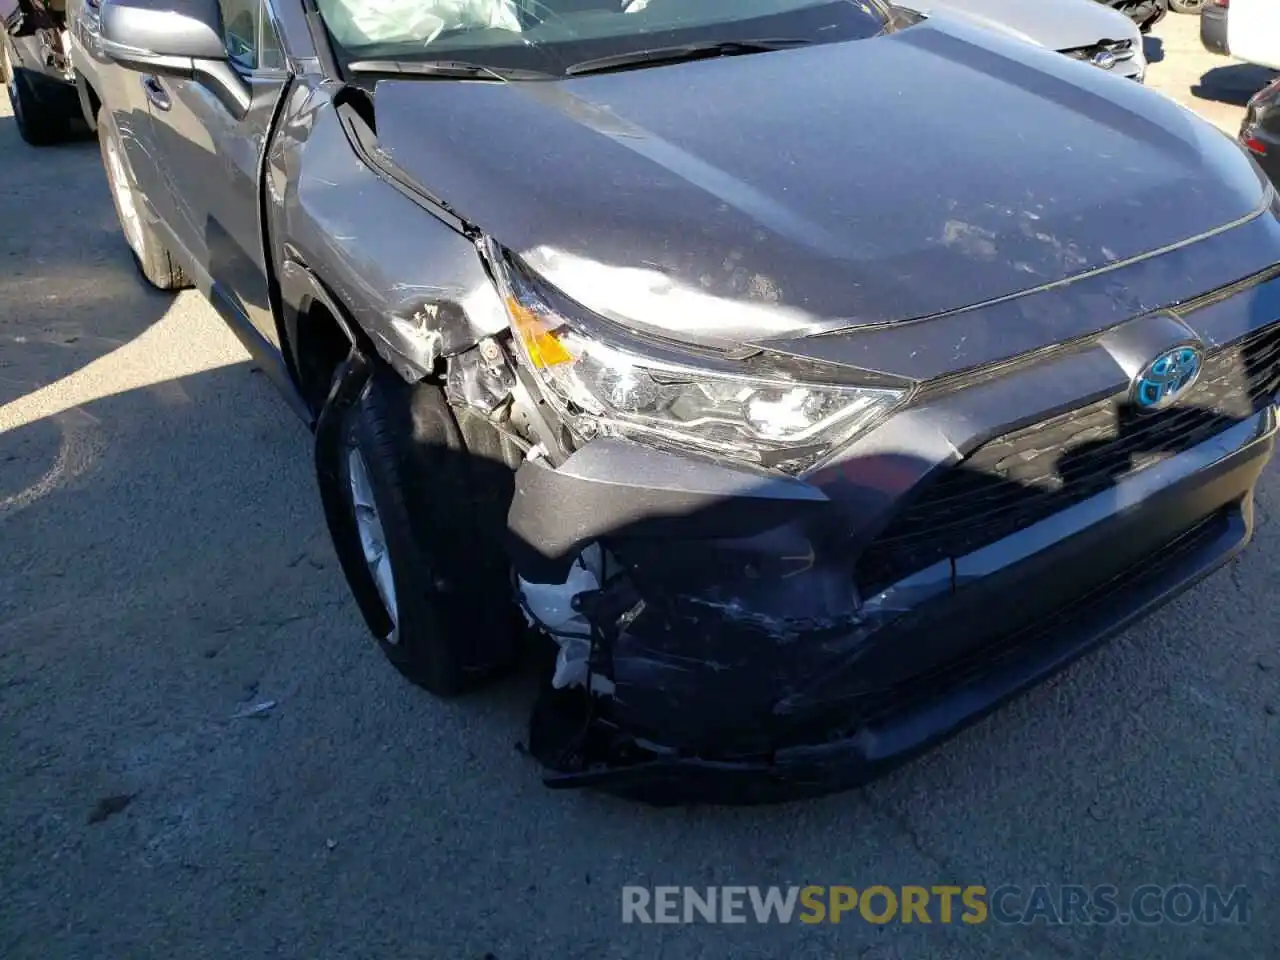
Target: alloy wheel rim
column 373, row 540
column 129, row 219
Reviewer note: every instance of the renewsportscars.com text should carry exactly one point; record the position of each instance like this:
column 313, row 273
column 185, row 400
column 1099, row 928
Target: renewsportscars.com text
column 945, row 904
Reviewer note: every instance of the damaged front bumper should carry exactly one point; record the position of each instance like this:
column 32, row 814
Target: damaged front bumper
column 732, row 659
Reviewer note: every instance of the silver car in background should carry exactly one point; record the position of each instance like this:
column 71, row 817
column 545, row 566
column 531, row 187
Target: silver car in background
column 1081, row 29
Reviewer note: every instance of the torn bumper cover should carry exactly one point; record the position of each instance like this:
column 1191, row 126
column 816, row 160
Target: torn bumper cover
column 737, row 661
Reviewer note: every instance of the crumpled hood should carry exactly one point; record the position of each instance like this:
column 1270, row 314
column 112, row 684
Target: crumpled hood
column 819, row 188
column 1055, row 24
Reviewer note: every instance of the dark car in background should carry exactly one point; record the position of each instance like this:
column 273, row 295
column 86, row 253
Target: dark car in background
column 35, row 65
column 1213, row 27
column 648, row 337
column 1260, row 131
column 1145, row 13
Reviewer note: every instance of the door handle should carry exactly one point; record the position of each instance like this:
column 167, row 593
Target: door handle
column 155, row 92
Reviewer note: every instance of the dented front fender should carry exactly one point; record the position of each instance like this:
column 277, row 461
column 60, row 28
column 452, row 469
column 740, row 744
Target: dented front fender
column 402, row 270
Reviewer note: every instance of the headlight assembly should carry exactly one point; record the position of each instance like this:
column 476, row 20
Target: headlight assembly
column 605, row 389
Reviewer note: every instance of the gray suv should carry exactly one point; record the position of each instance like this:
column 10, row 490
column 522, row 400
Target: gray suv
column 736, row 361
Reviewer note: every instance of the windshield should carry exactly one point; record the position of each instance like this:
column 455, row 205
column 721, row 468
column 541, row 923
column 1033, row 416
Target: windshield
column 552, row 35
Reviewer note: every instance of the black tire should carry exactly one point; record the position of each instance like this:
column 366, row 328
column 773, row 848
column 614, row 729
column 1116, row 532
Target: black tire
column 39, row 123
column 153, row 259
column 456, row 622
column 1186, row 6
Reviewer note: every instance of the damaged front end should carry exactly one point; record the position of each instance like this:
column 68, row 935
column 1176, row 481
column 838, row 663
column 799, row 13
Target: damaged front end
column 714, row 647
column 708, row 433
column 683, row 657
column 693, row 585
column 691, row 528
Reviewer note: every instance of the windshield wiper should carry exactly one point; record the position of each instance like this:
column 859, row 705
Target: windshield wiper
column 446, row 70
column 682, row 53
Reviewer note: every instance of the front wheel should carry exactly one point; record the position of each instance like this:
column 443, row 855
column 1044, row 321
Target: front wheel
column 1186, row 6
column 154, row 260
column 399, row 500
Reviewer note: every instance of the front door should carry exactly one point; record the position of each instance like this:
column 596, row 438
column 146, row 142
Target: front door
column 210, row 153
column 124, row 95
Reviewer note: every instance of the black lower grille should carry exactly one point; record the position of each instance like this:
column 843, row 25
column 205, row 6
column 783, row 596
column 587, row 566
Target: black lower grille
column 935, row 684
column 1015, row 480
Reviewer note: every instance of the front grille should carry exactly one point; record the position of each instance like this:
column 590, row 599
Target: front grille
column 1121, row 50
column 934, row 684
column 1015, row 480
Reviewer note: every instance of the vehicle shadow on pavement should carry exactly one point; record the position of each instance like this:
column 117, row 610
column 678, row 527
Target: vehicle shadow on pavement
column 1153, row 48
column 69, row 289
column 70, row 299
column 77, row 136
column 1233, row 84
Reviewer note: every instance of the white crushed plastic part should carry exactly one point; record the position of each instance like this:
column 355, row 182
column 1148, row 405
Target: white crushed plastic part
column 550, row 606
column 571, row 669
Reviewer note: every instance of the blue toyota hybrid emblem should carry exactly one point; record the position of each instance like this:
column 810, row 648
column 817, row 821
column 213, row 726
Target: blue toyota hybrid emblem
column 1166, row 378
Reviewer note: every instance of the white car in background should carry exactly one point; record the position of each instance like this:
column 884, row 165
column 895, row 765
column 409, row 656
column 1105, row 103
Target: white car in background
column 1248, row 30
column 1082, row 29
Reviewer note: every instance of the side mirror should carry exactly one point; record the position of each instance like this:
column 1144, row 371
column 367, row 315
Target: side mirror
column 173, row 38
column 150, row 35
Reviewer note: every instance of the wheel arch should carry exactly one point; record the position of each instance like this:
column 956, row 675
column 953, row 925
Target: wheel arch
column 318, row 333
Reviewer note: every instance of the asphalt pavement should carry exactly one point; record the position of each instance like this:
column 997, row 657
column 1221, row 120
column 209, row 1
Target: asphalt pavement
column 204, row 756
